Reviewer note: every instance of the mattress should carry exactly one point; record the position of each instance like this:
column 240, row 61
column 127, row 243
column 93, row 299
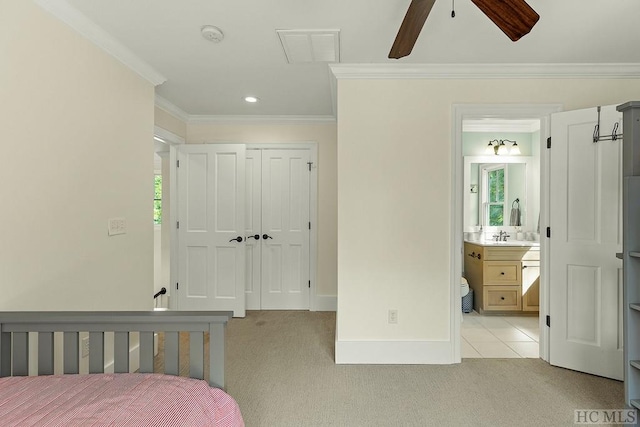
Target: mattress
column 115, row 400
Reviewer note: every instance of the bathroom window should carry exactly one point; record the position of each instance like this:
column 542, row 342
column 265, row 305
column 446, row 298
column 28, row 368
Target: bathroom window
column 494, row 194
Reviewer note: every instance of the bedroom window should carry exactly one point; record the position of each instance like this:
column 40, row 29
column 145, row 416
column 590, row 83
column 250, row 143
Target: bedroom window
column 157, row 200
column 494, row 191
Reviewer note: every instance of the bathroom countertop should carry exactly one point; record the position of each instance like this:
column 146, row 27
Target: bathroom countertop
column 517, row 243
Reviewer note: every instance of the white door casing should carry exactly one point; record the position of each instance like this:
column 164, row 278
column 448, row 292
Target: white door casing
column 285, row 224
column 211, row 265
column 586, row 233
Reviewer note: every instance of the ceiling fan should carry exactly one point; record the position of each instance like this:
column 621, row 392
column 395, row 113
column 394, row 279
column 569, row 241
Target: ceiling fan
column 514, row 17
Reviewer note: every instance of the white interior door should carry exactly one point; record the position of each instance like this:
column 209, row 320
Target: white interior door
column 211, row 232
column 253, row 220
column 285, row 229
column 586, row 233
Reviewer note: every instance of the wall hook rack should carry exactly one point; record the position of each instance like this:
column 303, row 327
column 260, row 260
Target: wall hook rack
column 614, row 132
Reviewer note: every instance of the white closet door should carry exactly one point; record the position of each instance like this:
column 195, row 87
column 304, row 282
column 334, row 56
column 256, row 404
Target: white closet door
column 285, row 229
column 253, row 220
column 211, row 233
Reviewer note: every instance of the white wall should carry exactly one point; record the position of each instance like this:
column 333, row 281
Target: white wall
column 395, row 198
column 324, row 135
column 77, row 127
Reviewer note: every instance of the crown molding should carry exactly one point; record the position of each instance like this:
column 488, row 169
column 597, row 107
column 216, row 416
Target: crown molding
column 176, row 111
column 261, row 120
column 171, row 108
column 71, row 16
column 485, row 71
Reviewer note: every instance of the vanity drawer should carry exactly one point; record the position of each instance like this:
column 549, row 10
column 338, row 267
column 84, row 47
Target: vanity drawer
column 511, row 253
column 508, row 273
column 502, row 298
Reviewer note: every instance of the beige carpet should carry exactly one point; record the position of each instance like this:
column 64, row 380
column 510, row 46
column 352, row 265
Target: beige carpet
column 281, row 371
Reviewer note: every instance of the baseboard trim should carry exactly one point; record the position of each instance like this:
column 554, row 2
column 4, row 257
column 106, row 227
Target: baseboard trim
column 326, row 303
column 394, row 352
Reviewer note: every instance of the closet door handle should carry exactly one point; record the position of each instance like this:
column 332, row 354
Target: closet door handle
column 255, row 236
column 237, row 239
column 266, row 236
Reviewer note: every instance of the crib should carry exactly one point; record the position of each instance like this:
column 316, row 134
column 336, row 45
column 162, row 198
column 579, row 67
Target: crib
column 61, row 335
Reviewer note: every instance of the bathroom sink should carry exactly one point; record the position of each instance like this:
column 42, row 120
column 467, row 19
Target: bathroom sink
column 510, row 243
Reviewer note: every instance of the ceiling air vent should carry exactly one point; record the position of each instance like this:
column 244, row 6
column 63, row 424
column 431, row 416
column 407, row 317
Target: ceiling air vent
column 304, row 46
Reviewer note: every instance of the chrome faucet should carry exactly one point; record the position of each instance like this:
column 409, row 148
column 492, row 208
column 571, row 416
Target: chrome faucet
column 502, row 237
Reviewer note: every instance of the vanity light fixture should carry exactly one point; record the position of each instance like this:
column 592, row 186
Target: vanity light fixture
column 499, row 148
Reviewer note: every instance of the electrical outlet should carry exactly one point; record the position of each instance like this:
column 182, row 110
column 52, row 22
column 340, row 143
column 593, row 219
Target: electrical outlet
column 85, row 347
column 393, row 316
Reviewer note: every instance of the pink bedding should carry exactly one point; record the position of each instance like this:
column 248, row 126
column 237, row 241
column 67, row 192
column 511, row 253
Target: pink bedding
column 114, row 400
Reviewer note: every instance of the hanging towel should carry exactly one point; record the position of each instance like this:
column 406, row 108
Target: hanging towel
column 515, row 213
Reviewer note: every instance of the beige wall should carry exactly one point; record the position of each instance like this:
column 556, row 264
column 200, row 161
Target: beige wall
column 325, row 136
column 168, row 121
column 394, row 193
column 76, row 135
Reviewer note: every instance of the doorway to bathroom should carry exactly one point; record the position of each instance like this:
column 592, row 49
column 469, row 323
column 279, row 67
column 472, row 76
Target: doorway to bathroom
column 501, row 328
column 501, row 238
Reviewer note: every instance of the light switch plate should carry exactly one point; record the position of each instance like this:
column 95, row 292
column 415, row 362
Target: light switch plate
column 117, row 226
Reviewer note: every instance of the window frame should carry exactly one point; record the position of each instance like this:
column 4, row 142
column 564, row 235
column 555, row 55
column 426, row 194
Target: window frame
column 485, row 169
column 161, row 209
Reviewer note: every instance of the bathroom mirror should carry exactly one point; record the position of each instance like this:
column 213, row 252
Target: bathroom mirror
column 493, row 185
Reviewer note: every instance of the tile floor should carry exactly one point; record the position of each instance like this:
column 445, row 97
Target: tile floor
column 499, row 336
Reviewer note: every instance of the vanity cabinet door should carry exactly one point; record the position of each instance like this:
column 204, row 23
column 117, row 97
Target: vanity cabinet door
column 507, row 273
column 531, row 286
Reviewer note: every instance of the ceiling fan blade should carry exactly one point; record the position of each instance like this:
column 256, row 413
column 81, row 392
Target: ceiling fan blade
column 410, row 28
column 514, row 17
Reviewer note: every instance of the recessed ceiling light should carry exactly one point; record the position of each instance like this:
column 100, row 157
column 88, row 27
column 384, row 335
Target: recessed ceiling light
column 251, row 99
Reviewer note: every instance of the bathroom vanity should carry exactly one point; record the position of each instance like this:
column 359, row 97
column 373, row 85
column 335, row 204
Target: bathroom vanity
column 504, row 276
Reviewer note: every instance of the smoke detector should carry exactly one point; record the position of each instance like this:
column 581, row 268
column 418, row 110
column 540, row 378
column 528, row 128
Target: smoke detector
column 211, row 33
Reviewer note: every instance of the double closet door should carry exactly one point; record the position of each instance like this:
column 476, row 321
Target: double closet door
column 242, row 228
column 277, row 229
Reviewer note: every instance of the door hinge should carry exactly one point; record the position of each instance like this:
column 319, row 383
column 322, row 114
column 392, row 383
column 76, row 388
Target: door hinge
column 549, row 142
column 177, row 286
column 548, row 321
column 309, row 283
column 309, row 164
column 177, row 224
column 549, row 232
column 178, row 163
column 309, row 225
